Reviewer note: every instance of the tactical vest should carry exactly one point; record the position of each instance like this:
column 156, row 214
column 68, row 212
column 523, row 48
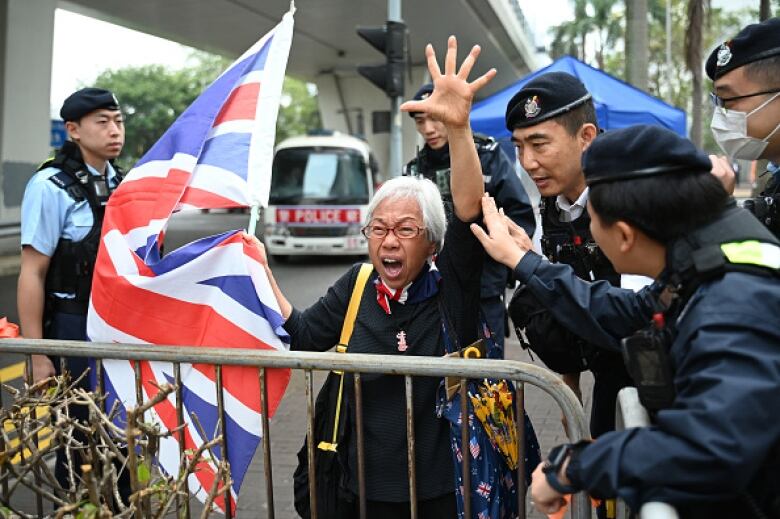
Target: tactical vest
column 72, row 264
column 559, row 348
column 435, row 166
column 733, row 242
column 572, row 243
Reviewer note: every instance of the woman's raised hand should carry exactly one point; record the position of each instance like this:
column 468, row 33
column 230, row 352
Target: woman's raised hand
column 452, row 95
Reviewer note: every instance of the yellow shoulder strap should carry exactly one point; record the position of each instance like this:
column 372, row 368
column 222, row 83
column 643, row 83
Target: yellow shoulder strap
column 354, row 304
column 346, row 333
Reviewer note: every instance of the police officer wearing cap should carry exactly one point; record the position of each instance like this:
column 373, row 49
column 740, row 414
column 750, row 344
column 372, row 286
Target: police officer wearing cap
column 501, row 182
column 746, row 120
column 553, row 121
column 701, row 341
column 62, row 214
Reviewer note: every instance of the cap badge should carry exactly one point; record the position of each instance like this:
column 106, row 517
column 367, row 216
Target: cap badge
column 724, row 54
column 532, row 107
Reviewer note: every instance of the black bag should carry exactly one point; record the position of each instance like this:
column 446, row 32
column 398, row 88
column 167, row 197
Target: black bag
column 332, row 431
column 561, row 350
column 331, row 465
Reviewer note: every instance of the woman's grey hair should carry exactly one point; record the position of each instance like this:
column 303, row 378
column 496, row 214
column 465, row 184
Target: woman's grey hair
column 428, row 198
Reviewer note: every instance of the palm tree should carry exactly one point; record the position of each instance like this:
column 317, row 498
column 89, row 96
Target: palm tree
column 636, row 43
column 571, row 37
column 693, row 60
column 607, row 26
column 764, row 11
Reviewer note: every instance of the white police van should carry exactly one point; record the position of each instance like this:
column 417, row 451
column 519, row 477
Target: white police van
column 320, row 189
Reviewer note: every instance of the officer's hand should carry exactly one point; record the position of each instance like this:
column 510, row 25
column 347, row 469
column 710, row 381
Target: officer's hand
column 452, row 94
column 546, row 499
column 721, row 168
column 42, row 368
column 498, row 242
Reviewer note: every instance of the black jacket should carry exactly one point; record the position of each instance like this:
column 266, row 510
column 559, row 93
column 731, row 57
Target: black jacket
column 501, row 182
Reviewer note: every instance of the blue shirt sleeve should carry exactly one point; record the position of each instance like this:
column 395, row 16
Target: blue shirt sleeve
column 43, row 213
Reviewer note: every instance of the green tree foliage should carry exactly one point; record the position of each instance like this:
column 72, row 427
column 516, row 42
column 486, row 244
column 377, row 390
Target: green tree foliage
column 299, row 112
column 671, row 82
column 153, row 96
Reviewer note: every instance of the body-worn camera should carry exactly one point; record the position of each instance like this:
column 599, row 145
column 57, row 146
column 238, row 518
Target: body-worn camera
column 646, row 355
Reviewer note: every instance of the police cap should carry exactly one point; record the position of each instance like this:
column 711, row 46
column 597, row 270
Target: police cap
column 640, row 151
column 754, row 42
column 424, row 92
column 545, row 97
column 87, row 100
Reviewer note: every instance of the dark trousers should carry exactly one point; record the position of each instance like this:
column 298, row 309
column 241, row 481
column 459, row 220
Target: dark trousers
column 444, row 507
column 494, row 311
column 609, row 377
column 73, row 327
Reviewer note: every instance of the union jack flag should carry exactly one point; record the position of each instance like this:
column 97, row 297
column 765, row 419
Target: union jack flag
column 212, row 292
column 474, row 447
column 483, row 489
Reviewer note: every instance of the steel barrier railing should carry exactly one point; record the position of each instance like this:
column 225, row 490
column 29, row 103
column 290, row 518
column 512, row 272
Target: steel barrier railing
column 519, row 372
column 631, row 413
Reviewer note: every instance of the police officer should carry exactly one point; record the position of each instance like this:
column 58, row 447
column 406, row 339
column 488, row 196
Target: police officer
column 553, row 121
column 708, row 362
column 62, row 214
column 746, row 121
column 501, row 182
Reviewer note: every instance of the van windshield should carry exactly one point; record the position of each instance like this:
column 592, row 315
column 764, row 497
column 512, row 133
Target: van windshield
column 319, row 175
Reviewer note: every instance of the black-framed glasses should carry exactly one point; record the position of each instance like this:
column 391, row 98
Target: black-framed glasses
column 403, row 232
column 721, row 101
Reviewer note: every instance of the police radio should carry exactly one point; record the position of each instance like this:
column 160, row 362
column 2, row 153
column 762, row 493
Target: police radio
column 646, row 355
column 575, row 251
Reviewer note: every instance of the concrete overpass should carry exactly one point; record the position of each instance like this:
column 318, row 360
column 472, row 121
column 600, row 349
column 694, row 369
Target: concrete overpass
column 325, row 51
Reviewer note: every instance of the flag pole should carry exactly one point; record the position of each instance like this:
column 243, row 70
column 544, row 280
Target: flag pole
column 254, row 215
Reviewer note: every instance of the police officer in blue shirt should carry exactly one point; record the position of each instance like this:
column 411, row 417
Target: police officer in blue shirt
column 62, row 215
column 701, row 343
column 501, row 182
column 62, row 212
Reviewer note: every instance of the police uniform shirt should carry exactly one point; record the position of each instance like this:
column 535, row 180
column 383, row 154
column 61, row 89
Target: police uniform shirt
column 50, row 213
column 571, row 211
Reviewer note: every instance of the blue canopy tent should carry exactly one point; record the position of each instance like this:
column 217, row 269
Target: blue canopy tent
column 618, row 104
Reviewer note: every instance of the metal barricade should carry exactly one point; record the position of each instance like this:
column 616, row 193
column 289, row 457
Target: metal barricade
column 631, row 413
column 518, row 372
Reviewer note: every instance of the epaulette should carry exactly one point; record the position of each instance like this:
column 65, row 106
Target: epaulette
column 70, row 184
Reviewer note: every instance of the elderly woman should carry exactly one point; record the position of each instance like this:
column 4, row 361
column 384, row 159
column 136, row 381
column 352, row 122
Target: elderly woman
column 401, row 309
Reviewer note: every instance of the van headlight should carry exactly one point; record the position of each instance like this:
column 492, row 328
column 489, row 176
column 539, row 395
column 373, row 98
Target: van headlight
column 277, row 230
column 353, row 229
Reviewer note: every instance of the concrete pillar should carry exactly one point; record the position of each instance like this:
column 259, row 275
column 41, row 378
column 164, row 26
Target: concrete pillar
column 361, row 99
column 27, row 30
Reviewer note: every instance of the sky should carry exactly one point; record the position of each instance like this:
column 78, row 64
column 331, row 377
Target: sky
column 75, row 34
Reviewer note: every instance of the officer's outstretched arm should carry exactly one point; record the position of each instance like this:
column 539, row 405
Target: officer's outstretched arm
column 29, row 301
column 505, row 241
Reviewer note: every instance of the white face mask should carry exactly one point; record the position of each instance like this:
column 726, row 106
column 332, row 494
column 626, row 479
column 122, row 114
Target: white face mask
column 730, row 130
